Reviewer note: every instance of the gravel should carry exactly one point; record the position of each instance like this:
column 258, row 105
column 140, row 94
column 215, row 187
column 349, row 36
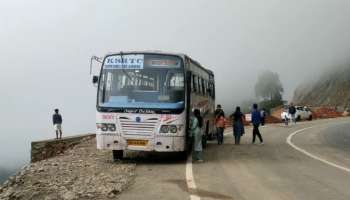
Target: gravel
column 82, row 172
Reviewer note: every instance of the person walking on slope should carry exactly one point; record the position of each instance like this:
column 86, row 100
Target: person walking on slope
column 256, row 120
column 292, row 110
column 238, row 126
column 220, row 125
column 57, row 123
column 196, row 133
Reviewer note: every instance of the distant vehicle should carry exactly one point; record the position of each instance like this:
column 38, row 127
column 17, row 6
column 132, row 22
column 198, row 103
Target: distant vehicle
column 302, row 113
column 145, row 100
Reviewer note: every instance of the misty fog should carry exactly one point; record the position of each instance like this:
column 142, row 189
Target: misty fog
column 45, row 47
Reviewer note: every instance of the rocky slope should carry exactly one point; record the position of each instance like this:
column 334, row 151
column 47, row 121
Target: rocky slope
column 80, row 173
column 332, row 89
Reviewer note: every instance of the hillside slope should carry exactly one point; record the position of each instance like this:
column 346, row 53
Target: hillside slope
column 332, row 89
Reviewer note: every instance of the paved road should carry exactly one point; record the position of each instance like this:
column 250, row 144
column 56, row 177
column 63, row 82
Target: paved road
column 272, row 171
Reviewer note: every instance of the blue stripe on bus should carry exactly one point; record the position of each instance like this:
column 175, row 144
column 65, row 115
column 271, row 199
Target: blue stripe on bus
column 144, row 105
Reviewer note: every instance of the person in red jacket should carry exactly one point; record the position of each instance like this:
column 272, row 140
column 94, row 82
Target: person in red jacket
column 220, row 125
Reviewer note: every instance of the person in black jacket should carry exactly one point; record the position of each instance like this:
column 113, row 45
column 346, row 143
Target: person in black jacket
column 292, row 110
column 57, row 123
column 238, row 126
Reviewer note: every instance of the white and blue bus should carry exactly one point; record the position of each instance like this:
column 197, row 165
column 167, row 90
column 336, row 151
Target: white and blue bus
column 145, row 100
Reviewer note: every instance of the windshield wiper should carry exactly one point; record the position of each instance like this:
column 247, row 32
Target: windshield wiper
column 104, row 92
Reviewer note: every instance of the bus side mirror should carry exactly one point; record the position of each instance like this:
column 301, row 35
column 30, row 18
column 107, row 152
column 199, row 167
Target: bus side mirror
column 94, row 79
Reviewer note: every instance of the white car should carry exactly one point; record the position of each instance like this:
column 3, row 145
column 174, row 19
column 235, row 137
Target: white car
column 302, row 113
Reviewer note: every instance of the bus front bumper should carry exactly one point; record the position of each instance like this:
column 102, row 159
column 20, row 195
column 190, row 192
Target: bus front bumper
column 157, row 144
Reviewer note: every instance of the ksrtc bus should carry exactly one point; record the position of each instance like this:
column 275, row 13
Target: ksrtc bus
column 145, row 100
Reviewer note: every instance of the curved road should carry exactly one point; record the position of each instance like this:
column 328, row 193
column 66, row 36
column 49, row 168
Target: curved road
column 275, row 170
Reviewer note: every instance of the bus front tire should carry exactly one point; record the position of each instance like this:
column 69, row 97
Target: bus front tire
column 117, row 155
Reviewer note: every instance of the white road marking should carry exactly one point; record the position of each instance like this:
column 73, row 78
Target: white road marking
column 289, row 141
column 191, row 184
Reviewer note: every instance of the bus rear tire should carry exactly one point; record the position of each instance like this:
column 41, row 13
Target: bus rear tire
column 183, row 155
column 117, row 155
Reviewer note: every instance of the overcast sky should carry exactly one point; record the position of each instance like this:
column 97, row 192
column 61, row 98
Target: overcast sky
column 45, row 47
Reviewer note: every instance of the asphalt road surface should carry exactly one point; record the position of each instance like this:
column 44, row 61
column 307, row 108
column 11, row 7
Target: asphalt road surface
column 294, row 163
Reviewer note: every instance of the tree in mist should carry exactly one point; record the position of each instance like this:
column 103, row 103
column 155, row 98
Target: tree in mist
column 269, row 86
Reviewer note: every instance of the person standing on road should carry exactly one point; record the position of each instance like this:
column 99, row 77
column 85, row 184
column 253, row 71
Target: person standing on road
column 217, row 111
column 292, row 110
column 238, row 126
column 57, row 123
column 256, row 120
column 286, row 120
column 220, row 125
column 196, row 133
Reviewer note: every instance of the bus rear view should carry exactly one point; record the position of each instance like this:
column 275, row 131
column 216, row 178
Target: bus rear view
column 141, row 103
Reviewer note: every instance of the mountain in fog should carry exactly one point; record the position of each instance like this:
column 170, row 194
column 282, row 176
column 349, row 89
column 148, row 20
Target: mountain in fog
column 331, row 89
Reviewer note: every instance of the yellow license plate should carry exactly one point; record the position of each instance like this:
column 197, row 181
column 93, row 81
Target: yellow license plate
column 138, row 142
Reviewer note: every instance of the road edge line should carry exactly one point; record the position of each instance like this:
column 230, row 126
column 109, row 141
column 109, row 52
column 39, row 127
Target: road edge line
column 191, row 184
column 289, row 141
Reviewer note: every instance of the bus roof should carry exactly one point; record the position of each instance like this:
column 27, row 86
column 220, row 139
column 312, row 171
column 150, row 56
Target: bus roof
column 182, row 55
column 147, row 51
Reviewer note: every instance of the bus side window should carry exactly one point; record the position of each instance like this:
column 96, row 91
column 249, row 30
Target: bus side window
column 213, row 90
column 203, row 88
column 194, row 85
column 208, row 89
column 199, row 85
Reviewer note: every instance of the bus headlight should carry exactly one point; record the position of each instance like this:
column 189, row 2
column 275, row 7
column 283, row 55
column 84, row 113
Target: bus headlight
column 164, row 129
column 168, row 129
column 106, row 127
column 111, row 127
column 173, row 129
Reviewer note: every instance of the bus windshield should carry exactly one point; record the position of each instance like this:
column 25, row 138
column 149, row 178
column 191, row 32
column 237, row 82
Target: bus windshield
column 142, row 81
